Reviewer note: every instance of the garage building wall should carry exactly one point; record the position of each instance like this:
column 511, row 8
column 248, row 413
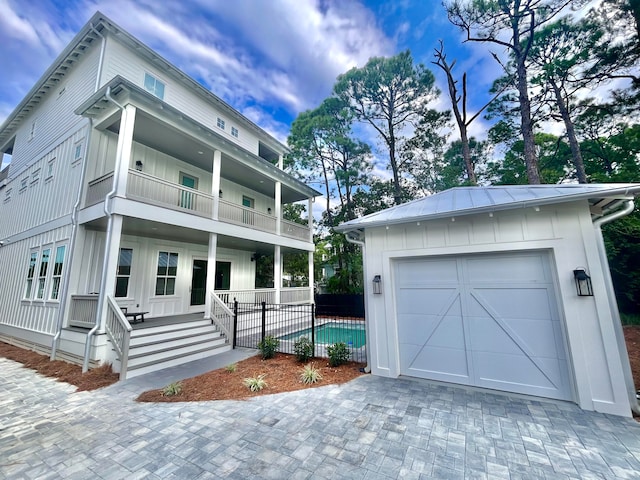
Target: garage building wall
column 566, row 232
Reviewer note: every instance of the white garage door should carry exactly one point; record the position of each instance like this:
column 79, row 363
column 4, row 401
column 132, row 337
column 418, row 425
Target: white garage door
column 484, row 320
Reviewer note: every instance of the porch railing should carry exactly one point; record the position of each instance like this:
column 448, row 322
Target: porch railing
column 118, row 330
column 296, row 295
column 98, row 189
column 223, row 317
column 240, row 215
column 83, row 311
column 294, row 230
column 247, row 296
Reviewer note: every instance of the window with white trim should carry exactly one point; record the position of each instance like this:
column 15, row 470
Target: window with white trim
column 42, row 274
column 23, row 184
column 35, row 177
column 31, row 271
column 167, row 273
column 32, row 131
column 220, row 123
column 77, row 152
column 56, row 277
column 235, row 132
column 50, row 164
column 123, row 273
column 7, row 195
column 154, row 86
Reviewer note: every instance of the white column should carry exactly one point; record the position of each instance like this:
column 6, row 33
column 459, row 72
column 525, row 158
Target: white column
column 277, row 271
column 215, row 182
column 310, row 212
column 123, row 150
column 311, row 281
column 211, row 273
column 278, row 205
column 110, row 266
column 280, row 162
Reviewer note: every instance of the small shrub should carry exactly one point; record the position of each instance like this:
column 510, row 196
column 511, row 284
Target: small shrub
column 310, row 374
column 172, row 389
column 303, row 348
column 255, row 384
column 338, row 354
column 269, row 346
column 232, row 367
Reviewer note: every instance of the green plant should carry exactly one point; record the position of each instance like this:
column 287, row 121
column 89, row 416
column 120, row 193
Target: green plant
column 255, row 384
column 310, row 374
column 232, row 367
column 172, row 389
column 338, row 354
column 303, row 348
column 268, row 346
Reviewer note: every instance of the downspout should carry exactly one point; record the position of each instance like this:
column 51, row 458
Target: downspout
column 74, row 213
column 357, row 241
column 103, row 280
column 628, row 207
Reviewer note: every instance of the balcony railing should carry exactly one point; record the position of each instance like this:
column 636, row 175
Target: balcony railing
column 156, row 191
column 84, row 309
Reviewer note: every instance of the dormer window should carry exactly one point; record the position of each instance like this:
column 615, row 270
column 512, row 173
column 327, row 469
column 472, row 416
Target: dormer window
column 234, row 132
column 220, row 123
column 154, row 86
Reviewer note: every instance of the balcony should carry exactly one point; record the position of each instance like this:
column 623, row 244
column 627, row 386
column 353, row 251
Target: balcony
column 152, row 190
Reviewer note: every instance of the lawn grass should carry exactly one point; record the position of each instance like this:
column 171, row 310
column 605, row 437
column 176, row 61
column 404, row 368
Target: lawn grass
column 630, row 318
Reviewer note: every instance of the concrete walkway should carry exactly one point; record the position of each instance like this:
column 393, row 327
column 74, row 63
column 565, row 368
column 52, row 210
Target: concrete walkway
column 370, row 428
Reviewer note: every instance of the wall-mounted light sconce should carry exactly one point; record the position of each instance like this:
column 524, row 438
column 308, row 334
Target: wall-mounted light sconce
column 255, row 257
column 220, row 193
column 139, row 165
column 377, row 285
column 583, row 282
column 269, row 210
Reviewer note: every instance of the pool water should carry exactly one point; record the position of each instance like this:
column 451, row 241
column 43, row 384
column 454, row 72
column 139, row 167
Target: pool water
column 329, row 333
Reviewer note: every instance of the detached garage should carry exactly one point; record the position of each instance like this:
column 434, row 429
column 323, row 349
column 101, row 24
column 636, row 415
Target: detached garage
column 506, row 288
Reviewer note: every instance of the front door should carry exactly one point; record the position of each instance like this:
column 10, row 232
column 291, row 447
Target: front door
column 198, row 282
column 223, row 276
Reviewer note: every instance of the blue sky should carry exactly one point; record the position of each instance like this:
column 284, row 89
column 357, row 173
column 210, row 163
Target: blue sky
column 270, row 59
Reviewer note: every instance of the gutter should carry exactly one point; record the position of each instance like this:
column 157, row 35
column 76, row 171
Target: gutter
column 354, row 237
column 74, row 213
column 627, row 208
column 103, row 280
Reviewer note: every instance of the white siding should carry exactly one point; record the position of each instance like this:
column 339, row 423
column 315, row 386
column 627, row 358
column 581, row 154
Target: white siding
column 119, row 60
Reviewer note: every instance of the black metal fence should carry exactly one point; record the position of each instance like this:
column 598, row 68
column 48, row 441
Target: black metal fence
column 288, row 323
column 334, row 304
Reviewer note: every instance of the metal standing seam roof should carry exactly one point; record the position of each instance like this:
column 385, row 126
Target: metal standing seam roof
column 462, row 201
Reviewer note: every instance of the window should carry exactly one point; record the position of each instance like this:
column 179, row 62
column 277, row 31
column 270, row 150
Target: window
column 33, row 258
column 50, row 164
column 167, row 272
column 77, row 153
column 32, row 131
column 23, row 184
column 35, row 177
column 154, row 86
column 124, row 272
column 42, row 277
column 187, row 196
column 7, row 195
column 234, row 132
column 220, row 123
column 57, row 273
column 248, row 216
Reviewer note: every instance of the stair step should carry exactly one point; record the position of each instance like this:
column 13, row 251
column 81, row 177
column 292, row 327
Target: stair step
column 161, row 354
column 176, row 342
column 149, row 367
column 140, row 332
column 154, row 337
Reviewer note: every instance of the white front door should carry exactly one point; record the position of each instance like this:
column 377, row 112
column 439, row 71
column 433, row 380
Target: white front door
column 484, row 320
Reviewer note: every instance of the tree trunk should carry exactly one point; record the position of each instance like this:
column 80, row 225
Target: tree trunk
column 466, row 154
column 397, row 190
column 576, row 154
column 526, row 125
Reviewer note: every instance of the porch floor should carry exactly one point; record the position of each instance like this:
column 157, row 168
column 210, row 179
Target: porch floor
column 150, row 322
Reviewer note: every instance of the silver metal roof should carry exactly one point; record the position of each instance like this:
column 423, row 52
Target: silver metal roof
column 461, row 201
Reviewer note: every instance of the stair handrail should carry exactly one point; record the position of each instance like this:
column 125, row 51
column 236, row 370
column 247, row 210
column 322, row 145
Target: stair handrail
column 118, row 330
column 222, row 316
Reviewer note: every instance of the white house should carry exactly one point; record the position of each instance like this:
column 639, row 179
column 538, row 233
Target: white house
column 479, row 286
column 132, row 189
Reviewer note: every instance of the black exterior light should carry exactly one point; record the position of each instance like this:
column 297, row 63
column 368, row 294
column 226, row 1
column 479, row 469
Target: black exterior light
column 583, row 283
column 377, row 285
column 138, row 165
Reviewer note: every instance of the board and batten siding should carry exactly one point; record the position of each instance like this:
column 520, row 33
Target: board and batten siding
column 30, row 315
column 120, row 60
column 54, row 117
column 37, row 195
column 565, row 232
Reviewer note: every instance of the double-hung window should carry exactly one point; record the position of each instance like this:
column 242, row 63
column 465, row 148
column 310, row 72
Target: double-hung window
column 42, row 274
column 56, row 278
column 167, row 272
column 154, row 86
column 124, row 272
column 33, row 260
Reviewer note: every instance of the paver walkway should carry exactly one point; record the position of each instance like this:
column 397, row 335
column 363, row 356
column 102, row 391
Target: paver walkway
column 370, row 428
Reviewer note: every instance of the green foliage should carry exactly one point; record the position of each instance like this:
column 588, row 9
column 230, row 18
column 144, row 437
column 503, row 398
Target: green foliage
column 295, row 269
column 172, row 389
column 630, row 318
column 303, row 349
column 264, row 271
column 338, row 354
column 232, row 367
column 255, row 384
column 310, row 375
column 269, row 346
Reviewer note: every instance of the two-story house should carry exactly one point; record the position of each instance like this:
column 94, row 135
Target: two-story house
column 133, row 191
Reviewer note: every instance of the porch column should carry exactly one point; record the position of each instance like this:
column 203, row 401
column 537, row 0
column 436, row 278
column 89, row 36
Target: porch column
column 277, row 272
column 280, row 162
column 310, row 213
column 215, row 183
column 278, row 205
column 211, row 273
column 109, row 267
column 311, row 279
column 123, row 150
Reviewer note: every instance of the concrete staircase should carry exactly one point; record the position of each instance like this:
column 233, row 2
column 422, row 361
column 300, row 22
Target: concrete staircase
column 158, row 347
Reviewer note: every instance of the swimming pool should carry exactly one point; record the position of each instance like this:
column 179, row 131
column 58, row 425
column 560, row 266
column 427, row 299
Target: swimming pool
column 351, row 334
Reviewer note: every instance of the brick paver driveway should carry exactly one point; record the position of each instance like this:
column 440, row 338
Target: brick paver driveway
column 370, row 428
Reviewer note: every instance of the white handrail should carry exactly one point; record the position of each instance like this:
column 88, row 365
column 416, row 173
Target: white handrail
column 222, row 317
column 118, row 330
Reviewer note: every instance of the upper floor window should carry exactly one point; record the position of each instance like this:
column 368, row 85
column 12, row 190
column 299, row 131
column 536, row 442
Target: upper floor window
column 7, row 195
column 32, row 131
column 154, row 86
column 77, row 152
column 23, row 184
column 50, row 164
column 35, row 177
column 234, row 132
column 220, row 123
